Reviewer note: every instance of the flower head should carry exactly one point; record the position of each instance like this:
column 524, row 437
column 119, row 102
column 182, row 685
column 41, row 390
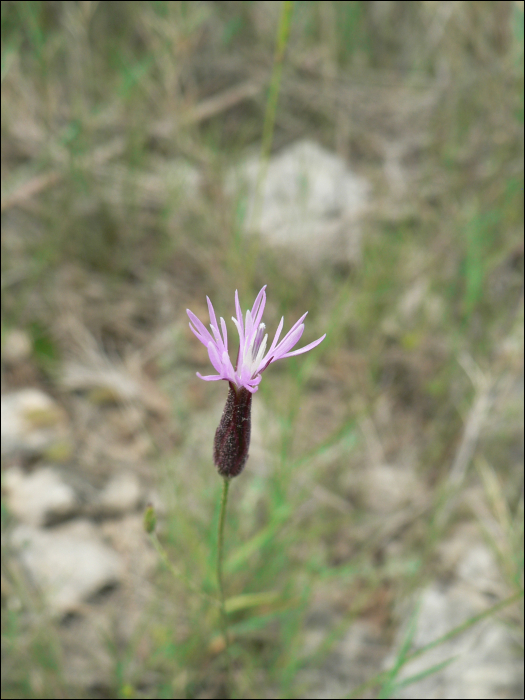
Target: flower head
column 252, row 357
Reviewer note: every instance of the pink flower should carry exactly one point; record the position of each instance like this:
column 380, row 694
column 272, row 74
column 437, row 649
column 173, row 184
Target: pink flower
column 252, row 358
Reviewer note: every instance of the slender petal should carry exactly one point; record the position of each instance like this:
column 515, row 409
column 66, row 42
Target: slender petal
column 258, row 307
column 224, row 333
column 211, row 311
column 200, row 329
column 294, row 327
column 310, row 346
column 277, row 335
column 239, row 316
column 288, row 342
column 215, row 358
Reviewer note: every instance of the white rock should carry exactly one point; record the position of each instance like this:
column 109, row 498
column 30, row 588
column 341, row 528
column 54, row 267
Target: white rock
column 479, row 568
column 310, row 202
column 17, row 347
column 350, row 661
column 69, row 563
column 40, row 497
column 390, row 487
column 31, row 422
column 121, row 494
column 484, row 662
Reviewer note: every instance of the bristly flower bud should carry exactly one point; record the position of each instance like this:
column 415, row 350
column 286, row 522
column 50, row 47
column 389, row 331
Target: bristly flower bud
column 232, row 438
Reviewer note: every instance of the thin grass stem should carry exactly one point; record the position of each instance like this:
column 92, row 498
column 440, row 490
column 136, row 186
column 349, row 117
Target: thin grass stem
column 175, row 572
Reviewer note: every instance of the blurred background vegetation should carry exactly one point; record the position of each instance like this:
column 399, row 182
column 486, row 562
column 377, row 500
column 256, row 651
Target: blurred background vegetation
column 421, row 370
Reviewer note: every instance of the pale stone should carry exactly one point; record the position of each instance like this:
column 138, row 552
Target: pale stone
column 40, row 497
column 69, row 563
column 16, row 347
column 309, row 202
column 484, row 661
column 32, row 422
column 121, row 495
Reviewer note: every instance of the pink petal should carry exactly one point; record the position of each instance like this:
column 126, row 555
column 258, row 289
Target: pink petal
column 276, row 338
column 239, row 316
column 225, row 334
column 306, row 347
column 258, row 307
column 287, row 343
column 215, row 358
column 211, row 311
column 209, row 378
column 200, row 329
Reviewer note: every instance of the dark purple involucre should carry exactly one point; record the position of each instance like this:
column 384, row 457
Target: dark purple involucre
column 232, row 438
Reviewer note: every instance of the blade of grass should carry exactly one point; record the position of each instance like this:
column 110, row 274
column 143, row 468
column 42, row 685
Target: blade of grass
column 388, row 685
column 283, row 33
column 250, row 600
column 421, row 676
column 257, row 542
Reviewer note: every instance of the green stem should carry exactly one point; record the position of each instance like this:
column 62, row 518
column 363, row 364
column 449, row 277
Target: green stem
column 220, row 550
column 283, row 33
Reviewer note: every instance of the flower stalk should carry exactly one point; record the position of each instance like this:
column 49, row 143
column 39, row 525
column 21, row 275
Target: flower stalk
column 220, row 550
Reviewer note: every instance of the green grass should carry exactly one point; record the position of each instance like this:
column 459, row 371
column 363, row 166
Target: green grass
column 91, row 240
